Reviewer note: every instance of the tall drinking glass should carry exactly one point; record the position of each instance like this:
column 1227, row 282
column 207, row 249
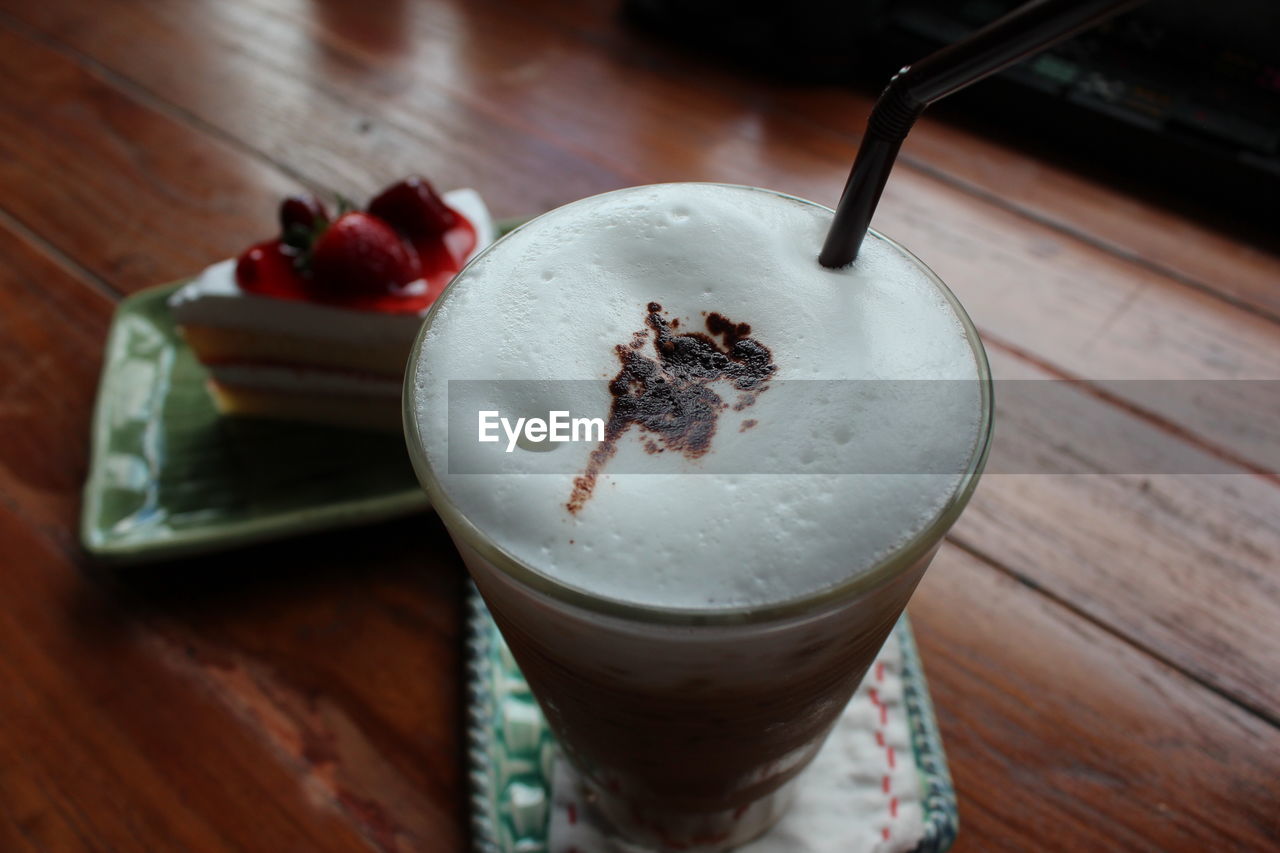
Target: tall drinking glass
column 688, row 721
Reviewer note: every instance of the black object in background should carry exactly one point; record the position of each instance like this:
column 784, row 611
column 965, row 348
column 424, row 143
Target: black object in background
column 1179, row 96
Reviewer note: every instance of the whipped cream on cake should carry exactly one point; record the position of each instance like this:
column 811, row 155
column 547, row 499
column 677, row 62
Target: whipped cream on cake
column 317, row 324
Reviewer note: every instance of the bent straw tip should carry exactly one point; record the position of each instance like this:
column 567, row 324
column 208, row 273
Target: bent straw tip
column 837, row 259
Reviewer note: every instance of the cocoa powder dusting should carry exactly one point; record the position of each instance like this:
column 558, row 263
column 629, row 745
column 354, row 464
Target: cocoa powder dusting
column 670, row 396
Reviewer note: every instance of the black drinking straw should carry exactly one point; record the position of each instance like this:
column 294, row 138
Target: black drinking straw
column 1024, row 31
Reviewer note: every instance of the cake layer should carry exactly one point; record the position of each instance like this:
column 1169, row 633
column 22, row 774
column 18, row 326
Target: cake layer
column 280, row 379
column 317, row 404
column 215, row 346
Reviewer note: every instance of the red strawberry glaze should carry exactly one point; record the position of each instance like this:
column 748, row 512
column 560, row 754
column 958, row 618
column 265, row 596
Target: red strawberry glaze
column 267, row 269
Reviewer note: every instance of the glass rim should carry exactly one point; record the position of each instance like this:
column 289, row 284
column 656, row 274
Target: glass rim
column 882, row 572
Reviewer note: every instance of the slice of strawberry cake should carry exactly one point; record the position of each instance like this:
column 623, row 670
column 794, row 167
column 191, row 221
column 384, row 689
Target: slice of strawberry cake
column 316, row 324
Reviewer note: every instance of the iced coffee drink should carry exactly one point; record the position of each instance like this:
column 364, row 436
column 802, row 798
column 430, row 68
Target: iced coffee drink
column 696, row 477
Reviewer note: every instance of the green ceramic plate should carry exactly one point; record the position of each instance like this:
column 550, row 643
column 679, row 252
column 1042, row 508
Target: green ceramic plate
column 170, row 477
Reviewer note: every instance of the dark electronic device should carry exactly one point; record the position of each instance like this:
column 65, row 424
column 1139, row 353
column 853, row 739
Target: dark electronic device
column 1180, row 95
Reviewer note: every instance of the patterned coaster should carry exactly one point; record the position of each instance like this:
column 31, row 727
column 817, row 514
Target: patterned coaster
column 879, row 784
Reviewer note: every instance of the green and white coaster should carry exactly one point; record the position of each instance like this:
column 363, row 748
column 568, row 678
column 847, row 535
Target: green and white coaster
column 879, row 784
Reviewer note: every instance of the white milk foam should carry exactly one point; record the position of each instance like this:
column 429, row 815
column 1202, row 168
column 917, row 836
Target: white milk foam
column 554, row 298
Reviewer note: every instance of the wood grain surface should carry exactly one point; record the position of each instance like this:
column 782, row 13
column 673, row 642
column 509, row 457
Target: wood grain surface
column 1103, row 649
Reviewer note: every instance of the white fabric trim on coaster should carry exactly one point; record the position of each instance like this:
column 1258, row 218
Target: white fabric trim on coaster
column 862, row 794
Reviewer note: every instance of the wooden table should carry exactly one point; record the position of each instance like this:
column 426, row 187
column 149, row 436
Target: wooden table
column 1104, row 650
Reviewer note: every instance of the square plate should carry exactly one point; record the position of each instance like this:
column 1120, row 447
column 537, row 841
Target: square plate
column 169, row 476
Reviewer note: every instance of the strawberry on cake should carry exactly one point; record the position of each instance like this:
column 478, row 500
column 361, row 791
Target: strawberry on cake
column 316, row 324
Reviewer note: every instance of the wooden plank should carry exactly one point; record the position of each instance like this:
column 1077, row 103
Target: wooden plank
column 272, row 698
column 1062, row 737
column 1002, row 750
column 323, row 667
column 52, row 328
column 1111, row 318
column 1085, row 311
column 247, row 640
column 1198, row 550
column 136, row 197
column 263, row 712
column 105, row 747
column 1179, row 563
column 1088, row 313
column 342, row 653
column 28, row 820
column 1182, row 244
column 235, row 87
column 345, row 686
column 1083, row 308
